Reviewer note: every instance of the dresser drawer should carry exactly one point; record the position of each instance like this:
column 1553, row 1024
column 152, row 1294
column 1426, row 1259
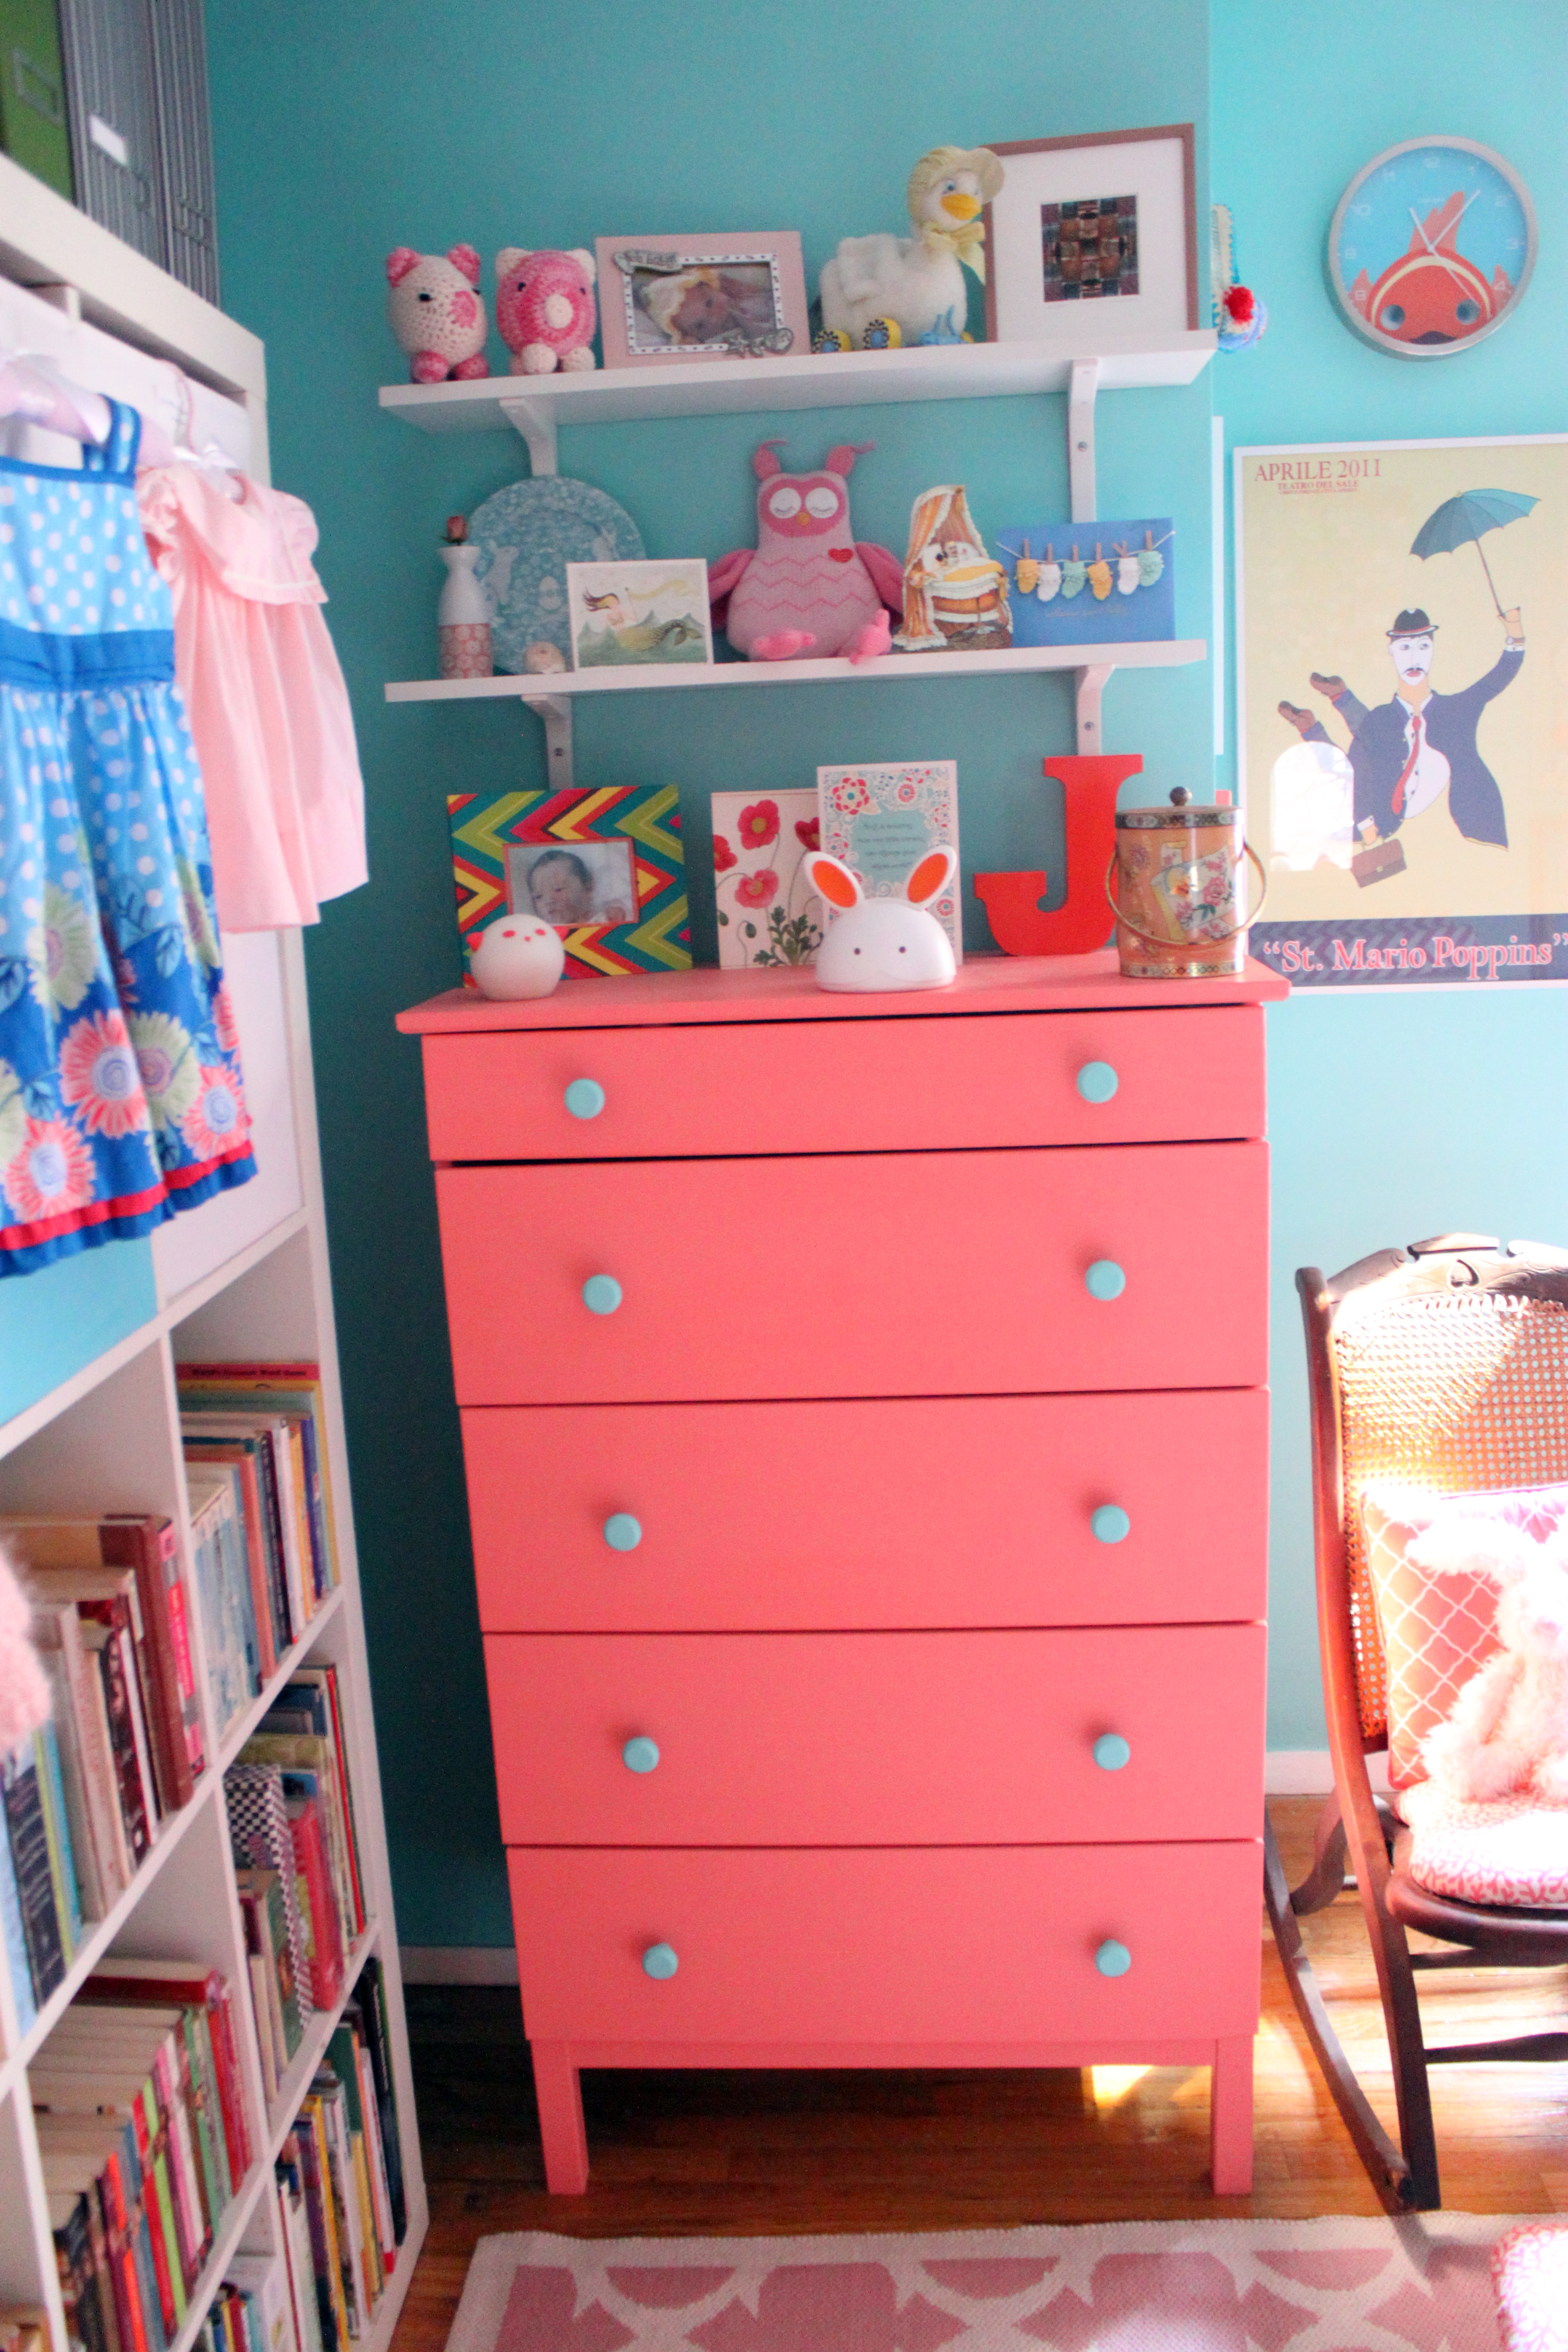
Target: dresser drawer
column 919, row 1273
column 905, row 1085
column 959, row 1738
column 991, row 1944
column 944, row 1511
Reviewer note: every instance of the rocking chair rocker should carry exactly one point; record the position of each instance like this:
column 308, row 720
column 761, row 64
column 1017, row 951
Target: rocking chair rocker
column 1443, row 1366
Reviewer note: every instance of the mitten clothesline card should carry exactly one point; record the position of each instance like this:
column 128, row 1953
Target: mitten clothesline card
column 882, row 818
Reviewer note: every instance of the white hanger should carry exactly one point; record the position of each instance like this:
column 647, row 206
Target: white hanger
column 32, row 388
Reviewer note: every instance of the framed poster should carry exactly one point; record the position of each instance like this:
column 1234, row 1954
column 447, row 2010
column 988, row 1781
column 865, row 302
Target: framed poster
column 1400, row 631
column 606, row 866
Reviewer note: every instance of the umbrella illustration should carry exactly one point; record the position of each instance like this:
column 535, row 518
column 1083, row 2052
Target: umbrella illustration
column 1459, row 521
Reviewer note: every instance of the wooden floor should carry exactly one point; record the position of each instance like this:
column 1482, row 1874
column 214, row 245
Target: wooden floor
column 710, row 2154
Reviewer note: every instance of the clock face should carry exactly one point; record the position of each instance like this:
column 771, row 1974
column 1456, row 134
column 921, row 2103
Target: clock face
column 1431, row 248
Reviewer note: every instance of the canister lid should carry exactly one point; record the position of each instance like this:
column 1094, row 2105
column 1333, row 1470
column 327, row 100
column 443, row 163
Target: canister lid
column 1183, row 810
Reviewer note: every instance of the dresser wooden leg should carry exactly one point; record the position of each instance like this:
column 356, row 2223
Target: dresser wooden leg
column 1230, row 2116
column 559, row 2097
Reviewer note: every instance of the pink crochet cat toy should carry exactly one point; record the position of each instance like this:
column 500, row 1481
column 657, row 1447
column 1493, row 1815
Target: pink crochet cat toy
column 807, row 586
column 545, row 310
column 1507, row 1729
column 24, row 1693
column 436, row 314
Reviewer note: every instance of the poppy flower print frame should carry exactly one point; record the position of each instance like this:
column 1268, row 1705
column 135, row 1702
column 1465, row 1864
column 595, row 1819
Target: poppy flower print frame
column 768, row 913
column 609, row 864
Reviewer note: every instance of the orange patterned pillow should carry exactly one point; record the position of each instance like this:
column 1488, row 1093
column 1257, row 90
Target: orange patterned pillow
column 1437, row 1629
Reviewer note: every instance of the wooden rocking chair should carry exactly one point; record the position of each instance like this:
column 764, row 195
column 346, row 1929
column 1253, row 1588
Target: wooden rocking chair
column 1445, row 1366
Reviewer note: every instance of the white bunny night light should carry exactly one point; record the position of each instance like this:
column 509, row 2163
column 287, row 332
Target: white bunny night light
column 884, row 944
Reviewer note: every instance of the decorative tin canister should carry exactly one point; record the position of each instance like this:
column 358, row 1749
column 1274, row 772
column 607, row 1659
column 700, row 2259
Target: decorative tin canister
column 1177, row 890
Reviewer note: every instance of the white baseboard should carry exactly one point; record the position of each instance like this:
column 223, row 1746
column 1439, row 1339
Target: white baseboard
column 1308, row 1772
column 472, row 1963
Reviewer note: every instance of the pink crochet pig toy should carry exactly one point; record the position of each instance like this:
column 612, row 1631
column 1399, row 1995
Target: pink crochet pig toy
column 435, row 313
column 545, row 310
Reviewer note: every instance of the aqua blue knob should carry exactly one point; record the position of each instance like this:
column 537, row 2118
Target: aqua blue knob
column 660, row 1960
column 1104, row 1279
column 1109, row 1524
column 641, row 1755
column 1113, row 1959
column 1097, row 1082
column 600, row 1293
column 584, row 1098
column 622, row 1532
column 1110, row 1752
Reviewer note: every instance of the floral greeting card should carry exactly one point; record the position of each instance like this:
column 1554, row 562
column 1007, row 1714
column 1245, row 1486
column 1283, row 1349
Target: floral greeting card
column 882, row 819
column 767, row 913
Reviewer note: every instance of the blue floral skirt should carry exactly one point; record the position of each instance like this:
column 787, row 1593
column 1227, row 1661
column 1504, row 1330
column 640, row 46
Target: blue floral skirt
column 121, row 1096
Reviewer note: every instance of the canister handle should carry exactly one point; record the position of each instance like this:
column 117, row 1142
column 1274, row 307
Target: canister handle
column 1149, row 939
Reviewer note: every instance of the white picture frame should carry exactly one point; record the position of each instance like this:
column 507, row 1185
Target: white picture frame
column 1027, row 295
column 639, row 614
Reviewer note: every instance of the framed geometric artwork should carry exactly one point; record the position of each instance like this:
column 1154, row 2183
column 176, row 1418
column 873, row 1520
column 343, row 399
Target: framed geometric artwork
column 1092, row 231
column 605, row 867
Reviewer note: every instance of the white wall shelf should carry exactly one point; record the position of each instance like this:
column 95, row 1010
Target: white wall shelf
column 243, row 1276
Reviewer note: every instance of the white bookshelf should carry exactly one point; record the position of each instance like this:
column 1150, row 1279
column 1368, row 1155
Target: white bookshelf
column 244, row 1276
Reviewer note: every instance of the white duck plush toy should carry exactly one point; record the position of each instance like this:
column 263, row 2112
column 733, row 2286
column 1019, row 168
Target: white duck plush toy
column 1507, row 1729
column 917, row 282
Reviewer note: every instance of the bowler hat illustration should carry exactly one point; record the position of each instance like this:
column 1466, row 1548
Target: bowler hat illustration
column 1413, row 624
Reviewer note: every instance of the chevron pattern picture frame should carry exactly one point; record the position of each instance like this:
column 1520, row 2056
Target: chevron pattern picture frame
column 606, row 865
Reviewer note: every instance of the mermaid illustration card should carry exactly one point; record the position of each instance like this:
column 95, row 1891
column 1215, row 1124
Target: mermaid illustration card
column 639, row 614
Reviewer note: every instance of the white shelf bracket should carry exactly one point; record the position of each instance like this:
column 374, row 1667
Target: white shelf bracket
column 534, row 420
column 1090, row 687
column 1080, row 438
column 555, row 710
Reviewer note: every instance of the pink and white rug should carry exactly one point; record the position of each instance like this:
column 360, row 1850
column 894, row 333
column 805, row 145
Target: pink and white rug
column 1415, row 2286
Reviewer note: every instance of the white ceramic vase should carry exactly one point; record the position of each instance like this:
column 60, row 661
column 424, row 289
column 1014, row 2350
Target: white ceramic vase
column 463, row 616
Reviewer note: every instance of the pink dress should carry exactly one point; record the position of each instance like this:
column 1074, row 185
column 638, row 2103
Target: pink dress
column 267, row 705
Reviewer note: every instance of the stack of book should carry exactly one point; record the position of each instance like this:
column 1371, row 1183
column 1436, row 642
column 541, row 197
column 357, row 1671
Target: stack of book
column 340, row 2175
column 252, row 2311
column 296, row 1862
column 85, row 1801
column 143, row 2139
column 261, row 1518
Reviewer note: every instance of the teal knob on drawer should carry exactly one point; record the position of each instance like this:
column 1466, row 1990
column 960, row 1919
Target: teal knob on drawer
column 1097, row 1082
column 600, row 1293
column 584, row 1098
column 1110, row 1752
column 641, row 1755
column 1113, row 1959
column 1104, row 1279
column 622, row 1532
column 660, row 1960
column 1109, row 1524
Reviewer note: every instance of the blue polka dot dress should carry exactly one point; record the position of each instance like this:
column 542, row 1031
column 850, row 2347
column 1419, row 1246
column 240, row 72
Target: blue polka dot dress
column 121, row 1099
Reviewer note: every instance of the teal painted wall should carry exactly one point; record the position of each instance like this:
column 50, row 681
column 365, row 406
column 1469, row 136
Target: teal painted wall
column 1391, row 1116
column 343, row 130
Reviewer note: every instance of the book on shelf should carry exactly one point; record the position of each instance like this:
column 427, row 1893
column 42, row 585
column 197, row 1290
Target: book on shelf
column 299, row 1871
column 143, row 2138
column 218, row 1563
column 293, row 1390
column 261, row 2281
column 29, row 1852
column 136, row 1556
column 335, row 2174
column 266, row 1424
column 13, row 1935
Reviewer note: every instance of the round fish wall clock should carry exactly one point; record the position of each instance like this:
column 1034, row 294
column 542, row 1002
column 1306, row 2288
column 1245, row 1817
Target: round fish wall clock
column 1432, row 245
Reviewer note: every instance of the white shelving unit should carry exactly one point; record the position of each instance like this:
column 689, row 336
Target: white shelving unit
column 244, row 1276
column 1091, row 358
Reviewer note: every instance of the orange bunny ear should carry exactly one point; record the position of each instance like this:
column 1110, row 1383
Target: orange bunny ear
column 931, row 877
column 833, row 880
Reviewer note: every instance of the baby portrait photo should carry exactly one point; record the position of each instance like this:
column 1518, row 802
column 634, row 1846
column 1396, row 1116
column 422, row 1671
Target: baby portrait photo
column 701, row 298
column 570, row 888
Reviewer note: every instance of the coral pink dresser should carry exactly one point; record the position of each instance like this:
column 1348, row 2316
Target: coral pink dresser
column 864, row 1411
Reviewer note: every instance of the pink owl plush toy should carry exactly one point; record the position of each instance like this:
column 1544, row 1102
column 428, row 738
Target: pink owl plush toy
column 545, row 310
column 24, row 1693
column 435, row 313
column 807, row 586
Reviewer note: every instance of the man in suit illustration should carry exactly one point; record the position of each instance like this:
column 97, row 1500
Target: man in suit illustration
column 1406, row 752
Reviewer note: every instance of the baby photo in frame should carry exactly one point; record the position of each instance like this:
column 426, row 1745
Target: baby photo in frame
column 606, row 867
column 701, row 298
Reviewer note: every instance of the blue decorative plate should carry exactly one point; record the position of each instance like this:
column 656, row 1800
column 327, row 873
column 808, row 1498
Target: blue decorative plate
column 528, row 534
